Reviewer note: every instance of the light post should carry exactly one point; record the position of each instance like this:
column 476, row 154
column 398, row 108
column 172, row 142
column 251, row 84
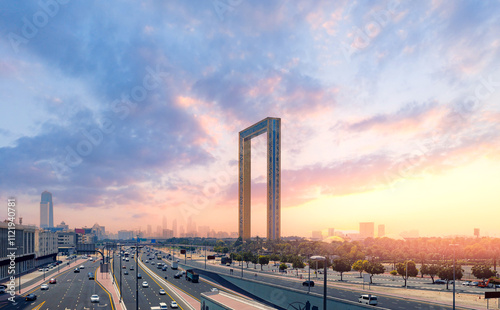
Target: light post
column 406, row 280
column 322, row 258
column 121, row 272
column 454, row 246
column 309, row 280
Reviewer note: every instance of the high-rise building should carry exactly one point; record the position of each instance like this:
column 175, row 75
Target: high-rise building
column 149, row 231
column 367, row 230
column 174, row 227
column 164, row 223
column 331, row 232
column 46, row 211
column 317, row 235
column 381, row 230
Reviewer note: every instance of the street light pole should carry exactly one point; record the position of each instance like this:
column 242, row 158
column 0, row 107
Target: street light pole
column 309, row 280
column 406, row 279
column 322, row 258
column 454, row 246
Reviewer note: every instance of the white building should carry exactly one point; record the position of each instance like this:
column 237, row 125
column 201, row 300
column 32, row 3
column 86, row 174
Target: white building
column 46, row 247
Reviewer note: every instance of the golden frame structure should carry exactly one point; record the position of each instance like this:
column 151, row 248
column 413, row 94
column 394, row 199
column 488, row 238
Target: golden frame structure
column 271, row 126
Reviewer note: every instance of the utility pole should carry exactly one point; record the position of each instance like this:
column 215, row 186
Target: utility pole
column 136, row 274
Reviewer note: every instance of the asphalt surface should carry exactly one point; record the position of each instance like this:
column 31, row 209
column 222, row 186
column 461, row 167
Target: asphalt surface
column 72, row 291
column 384, row 301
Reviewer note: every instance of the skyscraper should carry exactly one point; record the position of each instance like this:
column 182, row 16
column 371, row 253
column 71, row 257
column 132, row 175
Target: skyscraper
column 367, row 229
column 174, row 227
column 381, row 230
column 46, row 210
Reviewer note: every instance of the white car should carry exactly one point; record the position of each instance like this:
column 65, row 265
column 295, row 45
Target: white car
column 94, row 298
column 145, row 284
column 44, row 287
column 368, row 299
column 82, row 267
column 162, row 292
column 466, row 283
column 173, row 304
column 213, row 289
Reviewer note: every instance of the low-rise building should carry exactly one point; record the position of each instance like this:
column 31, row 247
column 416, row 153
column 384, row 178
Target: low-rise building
column 46, row 247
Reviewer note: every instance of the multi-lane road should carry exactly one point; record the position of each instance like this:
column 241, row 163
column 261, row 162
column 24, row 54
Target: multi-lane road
column 71, row 291
column 385, row 301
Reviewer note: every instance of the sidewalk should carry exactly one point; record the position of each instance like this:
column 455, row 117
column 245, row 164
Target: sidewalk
column 106, row 281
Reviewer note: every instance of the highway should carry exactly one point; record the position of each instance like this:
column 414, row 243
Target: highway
column 72, row 291
column 385, row 301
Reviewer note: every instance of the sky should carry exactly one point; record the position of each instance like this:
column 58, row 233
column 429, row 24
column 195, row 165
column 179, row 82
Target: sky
column 128, row 111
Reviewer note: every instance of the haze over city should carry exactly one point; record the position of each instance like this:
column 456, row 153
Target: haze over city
column 389, row 113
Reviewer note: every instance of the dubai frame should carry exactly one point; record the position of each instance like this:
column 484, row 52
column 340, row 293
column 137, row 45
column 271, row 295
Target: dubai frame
column 271, row 126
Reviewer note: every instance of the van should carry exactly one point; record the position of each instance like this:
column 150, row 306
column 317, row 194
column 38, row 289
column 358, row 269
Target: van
column 368, row 299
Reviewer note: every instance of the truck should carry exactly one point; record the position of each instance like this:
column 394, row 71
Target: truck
column 485, row 283
column 174, row 265
column 225, row 260
column 192, row 276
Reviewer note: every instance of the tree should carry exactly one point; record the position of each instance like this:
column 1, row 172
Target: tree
column 274, row 257
column 374, row 268
column 412, row 270
column 431, row 270
column 359, row 266
column 446, row 273
column 341, row 265
column 283, row 266
column 263, row 260
column 297, row 262
column 393, row 273
column 247, row 257
column 482, row 271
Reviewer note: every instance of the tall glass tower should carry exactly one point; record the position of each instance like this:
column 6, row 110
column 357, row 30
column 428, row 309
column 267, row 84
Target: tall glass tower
column 46, row 211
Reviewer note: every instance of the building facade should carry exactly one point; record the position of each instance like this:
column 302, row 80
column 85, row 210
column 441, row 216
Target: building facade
column 22, row 249
column 46, row 247
column 367, row 230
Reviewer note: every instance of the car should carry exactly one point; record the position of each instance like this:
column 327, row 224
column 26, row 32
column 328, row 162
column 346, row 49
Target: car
column 90, row 275
column 131, row 267
column 440, row 281
column 475, row 283
column 46, row 269
column 164, row 268
column 163, row 306
column 213, row 289
column 147, row 261
column 40, row 269
column 2, row 290
column 52, row 281
column 76, row 270
column 162, row 292
column 82, row 267
column 173, row 304
column 30, row 297
column 308, row 283
column 139, row 276
column 145, row 284
column 124, row 267
column 94, row 298
column 368, row 299
column 44, row 287
column 125, row 272
column 466, row 283
column 177, row 275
